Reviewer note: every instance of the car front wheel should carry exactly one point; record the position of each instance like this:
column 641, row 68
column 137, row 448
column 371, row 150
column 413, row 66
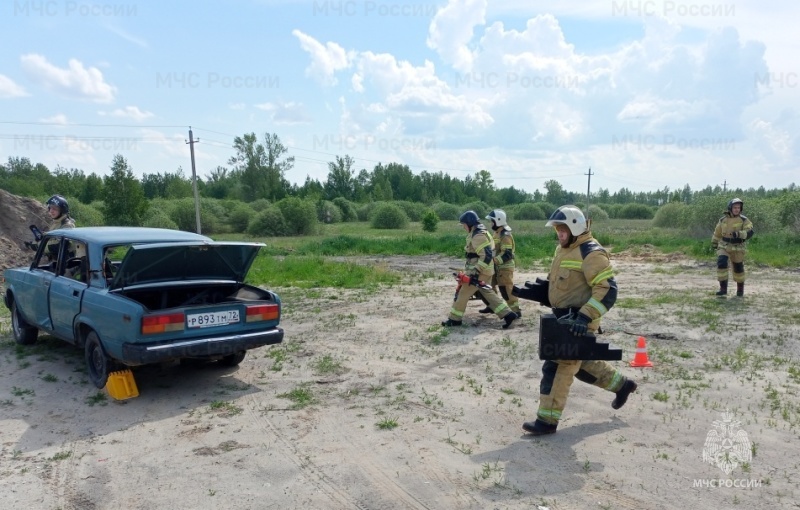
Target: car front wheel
column 98, row 364
column 24, row 333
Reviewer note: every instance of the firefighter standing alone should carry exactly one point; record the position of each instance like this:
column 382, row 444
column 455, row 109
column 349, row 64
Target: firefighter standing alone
column 479, row 266
column 730, row 240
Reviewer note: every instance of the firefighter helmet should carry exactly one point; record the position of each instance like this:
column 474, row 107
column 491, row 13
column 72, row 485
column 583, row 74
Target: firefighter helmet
column 60, row 202
column 735, row 201
column 469, row 218
column 498, row 216
column 570, row 216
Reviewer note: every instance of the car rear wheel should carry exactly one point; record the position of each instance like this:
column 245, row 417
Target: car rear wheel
column 98, row 364
column 24, row 333
column 233, row 360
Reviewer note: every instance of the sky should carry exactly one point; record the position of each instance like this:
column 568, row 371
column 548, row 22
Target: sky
column 647, row 94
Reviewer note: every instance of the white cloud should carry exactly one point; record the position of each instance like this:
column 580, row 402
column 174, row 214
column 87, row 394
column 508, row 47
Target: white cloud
column 325, row 59
column 128, row 37
column 286, row 113
column 129, row 112
column 74, row 81
column 59, row 119
column 9, row 89
column 451, row 30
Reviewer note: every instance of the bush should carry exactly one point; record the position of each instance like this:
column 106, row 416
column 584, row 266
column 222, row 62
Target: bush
column 481, row 208
column 269, row 222
column 388, row 216
column 547, row 208
column 182, row 212
column 446, row 211
column 365, row 211
column 349, row 212
column 672, row 215
column 158, row 218
column 527, row 211
column 85, row 215
column 636, row 212
column 328, row 212
column 414, row 210
column 240, row 217
column 430, row 221
column 596, row 213
column 300, row 216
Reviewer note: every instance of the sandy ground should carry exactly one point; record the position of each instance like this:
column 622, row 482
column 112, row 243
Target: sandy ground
column 403, row 415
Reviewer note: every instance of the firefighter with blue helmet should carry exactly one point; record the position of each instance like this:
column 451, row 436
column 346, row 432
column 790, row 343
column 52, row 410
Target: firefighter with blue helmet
column 479, row 268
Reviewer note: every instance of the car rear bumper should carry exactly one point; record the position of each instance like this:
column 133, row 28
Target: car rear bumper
column 141, row 354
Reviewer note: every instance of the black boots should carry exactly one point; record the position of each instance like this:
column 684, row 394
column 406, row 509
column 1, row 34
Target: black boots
column 486, row 310
column 539, row 428
column 450, row 322
column 622, row 395
column 740, row 289
column 723, row 288
column 509, row 318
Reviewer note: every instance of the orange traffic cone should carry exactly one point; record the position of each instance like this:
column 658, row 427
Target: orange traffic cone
column 641, row 359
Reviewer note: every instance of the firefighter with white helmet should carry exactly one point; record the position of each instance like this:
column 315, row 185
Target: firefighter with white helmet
column 478, row 268
column 730, row 241
column 504, row 264
column 581, row 284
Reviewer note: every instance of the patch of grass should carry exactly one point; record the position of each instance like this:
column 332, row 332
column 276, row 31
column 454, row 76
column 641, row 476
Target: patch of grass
column 49, row 378
column 21, row 392
column 327, row 365
column 316, row 271
column 661, row 396
column 225, row 408
column 61, row 455
column 98, row 398
column 301, row 397
column 387, row 424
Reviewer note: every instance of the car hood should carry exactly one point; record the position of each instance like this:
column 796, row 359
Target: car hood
column 165, row 262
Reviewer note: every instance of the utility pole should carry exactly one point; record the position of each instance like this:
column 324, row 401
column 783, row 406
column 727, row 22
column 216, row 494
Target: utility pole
column 191, row 143
column 724, row 186
column 588, row 191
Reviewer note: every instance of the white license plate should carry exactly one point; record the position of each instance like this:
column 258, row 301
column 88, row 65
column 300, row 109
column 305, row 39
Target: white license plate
column 208, row 320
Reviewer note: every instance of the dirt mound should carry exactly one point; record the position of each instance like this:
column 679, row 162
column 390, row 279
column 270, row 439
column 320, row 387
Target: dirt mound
column 16, row 214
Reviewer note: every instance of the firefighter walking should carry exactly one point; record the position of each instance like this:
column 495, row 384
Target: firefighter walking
column 504, row 263
column 580, row 283
column 479, row 267
column 730, row 241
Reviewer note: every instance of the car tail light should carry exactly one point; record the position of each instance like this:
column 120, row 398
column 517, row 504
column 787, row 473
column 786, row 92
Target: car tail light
column 152, row 324
column 262, row 313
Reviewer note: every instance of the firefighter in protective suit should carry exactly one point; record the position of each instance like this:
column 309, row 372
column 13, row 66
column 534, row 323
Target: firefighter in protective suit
column 581, row 283
column 479, row 266
column 730, row 240
column 504, row 263
column 58, row 210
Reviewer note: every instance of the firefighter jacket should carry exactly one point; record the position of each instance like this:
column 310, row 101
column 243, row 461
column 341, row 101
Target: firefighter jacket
column 732, row 233
column 480, row 253
column 505, row 248
column 63, row 221
column 581, row 277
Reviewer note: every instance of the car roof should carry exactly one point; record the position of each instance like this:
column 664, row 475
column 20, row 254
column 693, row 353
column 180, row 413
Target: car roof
column 127, row 235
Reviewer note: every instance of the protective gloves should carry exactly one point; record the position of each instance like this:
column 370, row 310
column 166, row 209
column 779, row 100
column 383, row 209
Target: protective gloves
column 580, row 326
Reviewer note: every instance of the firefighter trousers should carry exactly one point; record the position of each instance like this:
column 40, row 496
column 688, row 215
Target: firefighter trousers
column 466, row 291
column 504, row 280
column 557, row 377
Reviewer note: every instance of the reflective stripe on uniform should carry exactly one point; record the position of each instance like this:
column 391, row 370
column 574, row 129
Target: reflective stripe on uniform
column 572, row 264
column 597, row 305
column 549, row 414
column 456, row 312
column 616, row 382
column 603, row 276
